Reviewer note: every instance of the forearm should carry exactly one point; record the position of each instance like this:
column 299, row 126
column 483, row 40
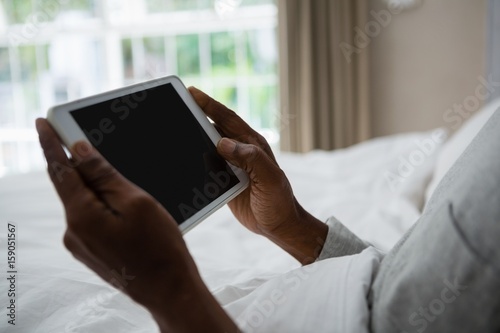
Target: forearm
column 303, row 237
column 192, row 308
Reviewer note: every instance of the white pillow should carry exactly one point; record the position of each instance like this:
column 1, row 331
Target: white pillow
column 409, row 171
column 414, row 186
column 456, row 145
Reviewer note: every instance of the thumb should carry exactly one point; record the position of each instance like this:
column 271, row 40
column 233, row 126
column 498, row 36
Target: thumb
column 250, row 158
column 99, row 176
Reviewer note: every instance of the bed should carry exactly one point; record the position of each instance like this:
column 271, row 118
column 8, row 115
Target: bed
column 376, row 188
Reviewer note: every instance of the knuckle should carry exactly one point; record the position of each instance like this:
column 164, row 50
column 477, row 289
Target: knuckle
column 75, row 230
column 69, row 242
column 209, row 103
column 262, row 142
column 101, row 174
column 257, row 139
column 91, row 162
column 252, row 154
column 284, row 182
column 141, row 202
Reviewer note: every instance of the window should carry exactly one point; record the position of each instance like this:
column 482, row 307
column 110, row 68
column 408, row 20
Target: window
column 52, row 51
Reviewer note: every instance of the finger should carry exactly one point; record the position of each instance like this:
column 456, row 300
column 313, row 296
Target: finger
column 221, row 132
column 227, row 120
column 251, row 158
column 61, row 170
column 260, row 141
column 101, row 177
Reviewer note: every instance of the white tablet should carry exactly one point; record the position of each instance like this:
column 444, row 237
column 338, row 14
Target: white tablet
column 156, row 135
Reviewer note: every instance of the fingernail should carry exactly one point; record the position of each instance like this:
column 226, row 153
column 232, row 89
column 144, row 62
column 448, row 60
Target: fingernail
column 227, row 145
column 82, row 149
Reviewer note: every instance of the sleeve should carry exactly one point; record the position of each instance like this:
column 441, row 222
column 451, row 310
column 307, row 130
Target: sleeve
column 340, row 241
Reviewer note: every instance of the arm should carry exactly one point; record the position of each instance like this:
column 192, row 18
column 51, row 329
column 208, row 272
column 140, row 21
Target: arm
column 118, row 230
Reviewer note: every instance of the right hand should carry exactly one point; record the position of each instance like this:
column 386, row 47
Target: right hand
column 268, row 206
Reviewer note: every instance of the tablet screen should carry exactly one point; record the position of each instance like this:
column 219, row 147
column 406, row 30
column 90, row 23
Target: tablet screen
column 153, row 139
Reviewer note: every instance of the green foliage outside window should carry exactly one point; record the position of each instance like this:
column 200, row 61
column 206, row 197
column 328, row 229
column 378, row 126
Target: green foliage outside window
column 19, row 11
column 5, row 74
column 27, row 59
column 223, row 53
column 127, row 58
column 188, row 55
column 234, row 66
column 263, row 106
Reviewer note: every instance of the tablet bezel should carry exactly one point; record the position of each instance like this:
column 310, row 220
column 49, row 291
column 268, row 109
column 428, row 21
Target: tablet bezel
column 68, row 129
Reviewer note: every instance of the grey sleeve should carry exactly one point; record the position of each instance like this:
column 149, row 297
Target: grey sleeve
column 340, row 241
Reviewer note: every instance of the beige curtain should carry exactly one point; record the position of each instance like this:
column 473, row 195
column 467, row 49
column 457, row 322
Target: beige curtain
column 324, row 92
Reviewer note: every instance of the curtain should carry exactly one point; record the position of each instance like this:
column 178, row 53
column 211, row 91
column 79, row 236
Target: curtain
column 493, row 44
column 324, row 74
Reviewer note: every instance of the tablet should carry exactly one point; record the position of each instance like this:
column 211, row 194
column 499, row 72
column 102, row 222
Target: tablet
column 156, row 135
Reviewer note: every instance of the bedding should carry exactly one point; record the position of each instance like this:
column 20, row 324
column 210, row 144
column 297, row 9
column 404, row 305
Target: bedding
column 457, row 143
column 375, row 188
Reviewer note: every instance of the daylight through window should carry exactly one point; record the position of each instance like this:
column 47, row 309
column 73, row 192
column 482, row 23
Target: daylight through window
column 53, row 51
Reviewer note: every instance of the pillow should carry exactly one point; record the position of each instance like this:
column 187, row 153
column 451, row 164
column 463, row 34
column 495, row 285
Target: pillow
column 456, row 145
column 414, row 186
column 409, row 170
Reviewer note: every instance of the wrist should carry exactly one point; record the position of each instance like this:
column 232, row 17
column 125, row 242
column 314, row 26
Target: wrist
column 179, row 301
column 302, row 236
column 192, row 308
column 165, row 287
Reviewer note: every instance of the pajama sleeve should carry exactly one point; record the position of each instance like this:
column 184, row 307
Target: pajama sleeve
column 340, row 241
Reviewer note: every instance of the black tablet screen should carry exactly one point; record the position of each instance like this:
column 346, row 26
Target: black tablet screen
column 153, row 139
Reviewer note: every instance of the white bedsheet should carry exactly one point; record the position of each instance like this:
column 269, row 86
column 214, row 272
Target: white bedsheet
column 326, row 296
column 55, row 293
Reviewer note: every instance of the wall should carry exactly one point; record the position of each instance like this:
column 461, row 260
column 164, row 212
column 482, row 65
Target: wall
column 424, row 61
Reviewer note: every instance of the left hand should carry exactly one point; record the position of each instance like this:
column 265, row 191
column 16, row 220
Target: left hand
column 127, row 237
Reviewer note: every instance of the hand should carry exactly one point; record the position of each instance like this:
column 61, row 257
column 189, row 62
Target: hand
column 128, row 238
column 268, row 206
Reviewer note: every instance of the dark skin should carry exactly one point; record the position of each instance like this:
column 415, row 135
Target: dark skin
column 114, row 226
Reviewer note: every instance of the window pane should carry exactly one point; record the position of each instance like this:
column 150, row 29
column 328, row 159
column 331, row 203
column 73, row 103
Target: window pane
column 128, row 60
column 47, row 11
column 87, row 7
column 43, row 58
column 188, row 55
column 184, row 4
column 205, row 4
column 8, row 152
column 255, row 2
column 6, row 96
column 18, row 10
column 223, row 53
column 263, row 106
column 27, row 59
column 227, row 96
column 261, row 51
column 4, row 65
column 156, row 6
column 30, row 97
column 154, row 48
column 73, row 57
